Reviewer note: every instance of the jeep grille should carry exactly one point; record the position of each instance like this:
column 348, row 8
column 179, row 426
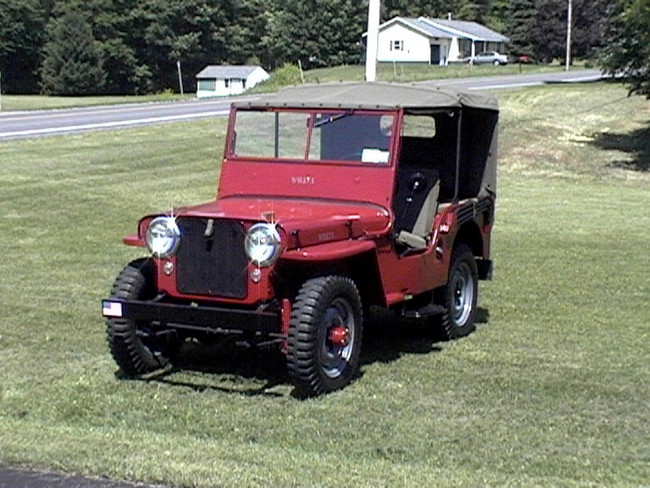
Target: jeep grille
column 211, row 259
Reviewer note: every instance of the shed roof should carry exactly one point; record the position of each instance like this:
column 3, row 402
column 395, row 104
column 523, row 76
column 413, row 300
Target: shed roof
column 385, row 96
column 221, row 71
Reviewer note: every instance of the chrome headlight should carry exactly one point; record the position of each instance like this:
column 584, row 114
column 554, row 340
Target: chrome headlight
column 163, row 237
column 263, row 244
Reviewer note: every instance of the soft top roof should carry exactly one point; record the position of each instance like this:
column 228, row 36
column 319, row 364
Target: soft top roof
column 373, row 95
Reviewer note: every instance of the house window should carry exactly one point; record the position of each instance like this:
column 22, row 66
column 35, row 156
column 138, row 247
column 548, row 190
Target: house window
column 207, row 85
column 397, row 45
column 227, row 82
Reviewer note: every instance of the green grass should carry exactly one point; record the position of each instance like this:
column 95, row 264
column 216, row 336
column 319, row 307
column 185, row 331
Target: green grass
column 551, row 391
column 406, row 72
column 398, row 72
column 13, row 103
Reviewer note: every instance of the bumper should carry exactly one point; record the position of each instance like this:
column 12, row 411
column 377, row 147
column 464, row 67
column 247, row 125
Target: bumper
column 203, row 319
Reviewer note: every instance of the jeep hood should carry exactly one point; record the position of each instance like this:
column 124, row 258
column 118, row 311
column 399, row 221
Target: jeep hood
column 306, row 221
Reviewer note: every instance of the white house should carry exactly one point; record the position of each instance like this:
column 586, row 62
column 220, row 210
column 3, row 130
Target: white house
column 216, row 81
column 434, row 41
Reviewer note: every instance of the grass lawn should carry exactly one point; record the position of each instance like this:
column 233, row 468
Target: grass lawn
column 552, row 390
column 406, row 72
column 12, row 103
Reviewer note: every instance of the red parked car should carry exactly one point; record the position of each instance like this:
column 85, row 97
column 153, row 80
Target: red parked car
column 333, row 198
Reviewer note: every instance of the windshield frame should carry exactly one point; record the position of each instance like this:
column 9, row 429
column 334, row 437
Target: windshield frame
column 313, row 123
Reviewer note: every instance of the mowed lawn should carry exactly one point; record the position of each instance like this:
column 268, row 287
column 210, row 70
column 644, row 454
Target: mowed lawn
column 551, row 390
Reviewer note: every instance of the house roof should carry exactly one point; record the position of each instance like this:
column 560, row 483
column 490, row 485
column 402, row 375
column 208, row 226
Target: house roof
column 386, row 96
column 471, row 30
column 415, row 24
column 220, row 71
column 440, row 28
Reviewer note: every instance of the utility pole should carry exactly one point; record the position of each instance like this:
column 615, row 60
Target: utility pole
column 180, row 76
column 371, row 44
column 568, row 35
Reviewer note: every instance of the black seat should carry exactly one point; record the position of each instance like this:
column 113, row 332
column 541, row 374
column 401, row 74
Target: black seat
column 415, row 205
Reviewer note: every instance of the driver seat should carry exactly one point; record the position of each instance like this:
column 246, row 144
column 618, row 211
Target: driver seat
column 416, row 204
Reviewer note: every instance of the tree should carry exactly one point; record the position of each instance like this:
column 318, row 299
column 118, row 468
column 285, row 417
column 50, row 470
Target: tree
column 475, row 11
column 627, row 49
column 589, row 18
column 414, row 8
column 117, row 35
column 518, row 18
column 21, row 39
column 497, row 16
column 316, row 32
column 72, row 63
column 548, row 30
column 179, row 31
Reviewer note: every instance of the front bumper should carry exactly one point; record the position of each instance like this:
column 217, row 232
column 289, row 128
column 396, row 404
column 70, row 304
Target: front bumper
column 196, row 318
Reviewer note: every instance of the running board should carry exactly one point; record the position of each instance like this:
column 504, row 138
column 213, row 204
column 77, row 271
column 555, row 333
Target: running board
column 426, row 311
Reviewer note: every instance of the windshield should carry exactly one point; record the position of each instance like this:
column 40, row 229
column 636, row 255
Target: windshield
column 313, row 135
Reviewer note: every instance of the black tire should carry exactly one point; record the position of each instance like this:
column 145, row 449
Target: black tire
column 460, row 296
column 324, row 335
column 133, row 345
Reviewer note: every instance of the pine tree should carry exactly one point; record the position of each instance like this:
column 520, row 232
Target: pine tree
column 72, row 62
column 21, row 27
column 519, row 17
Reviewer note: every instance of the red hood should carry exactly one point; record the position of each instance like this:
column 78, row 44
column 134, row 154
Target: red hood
column 311, row 221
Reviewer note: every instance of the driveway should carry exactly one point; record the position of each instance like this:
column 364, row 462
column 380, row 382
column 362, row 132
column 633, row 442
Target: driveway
column 18, row 478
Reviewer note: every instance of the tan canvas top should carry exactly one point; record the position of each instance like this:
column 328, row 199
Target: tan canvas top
column 373, row 96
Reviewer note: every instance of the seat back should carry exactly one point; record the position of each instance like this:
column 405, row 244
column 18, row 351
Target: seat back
column 416, row 200
column 424, row 222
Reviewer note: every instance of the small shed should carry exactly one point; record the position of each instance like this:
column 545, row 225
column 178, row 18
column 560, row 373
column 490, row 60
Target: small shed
column 218, row 80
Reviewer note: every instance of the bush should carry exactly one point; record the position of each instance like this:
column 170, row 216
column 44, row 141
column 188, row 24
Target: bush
column 287, row 75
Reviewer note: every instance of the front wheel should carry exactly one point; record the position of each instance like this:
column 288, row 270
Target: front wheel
column 324, row 335
column 137, row 347
column 459, row 297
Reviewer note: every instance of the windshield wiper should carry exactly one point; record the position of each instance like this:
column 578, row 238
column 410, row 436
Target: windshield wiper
column 330, row 118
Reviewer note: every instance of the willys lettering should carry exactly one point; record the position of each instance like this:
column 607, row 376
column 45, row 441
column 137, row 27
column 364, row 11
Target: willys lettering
column 303, row 180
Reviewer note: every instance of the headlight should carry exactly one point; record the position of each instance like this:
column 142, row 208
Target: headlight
column 263, row 244
column 163, row 236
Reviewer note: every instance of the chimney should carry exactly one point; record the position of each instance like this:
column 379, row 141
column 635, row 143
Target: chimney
column 449, row 16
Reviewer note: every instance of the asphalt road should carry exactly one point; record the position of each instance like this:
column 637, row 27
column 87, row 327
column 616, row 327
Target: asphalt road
column 16, row 125
column 20, row 478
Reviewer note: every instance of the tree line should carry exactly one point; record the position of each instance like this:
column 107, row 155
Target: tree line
column 77, row 47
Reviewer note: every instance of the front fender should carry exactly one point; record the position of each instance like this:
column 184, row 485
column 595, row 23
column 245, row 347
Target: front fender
column 330, row 251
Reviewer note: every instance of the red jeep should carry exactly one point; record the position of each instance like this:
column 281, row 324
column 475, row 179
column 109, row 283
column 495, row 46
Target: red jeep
column 333, row 198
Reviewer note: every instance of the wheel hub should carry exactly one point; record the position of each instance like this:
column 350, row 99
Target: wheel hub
column 339, row 336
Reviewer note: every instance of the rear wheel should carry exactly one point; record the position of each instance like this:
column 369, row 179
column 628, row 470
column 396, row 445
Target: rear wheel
column 136, row 346
column 324, row 335
column 459, row 297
